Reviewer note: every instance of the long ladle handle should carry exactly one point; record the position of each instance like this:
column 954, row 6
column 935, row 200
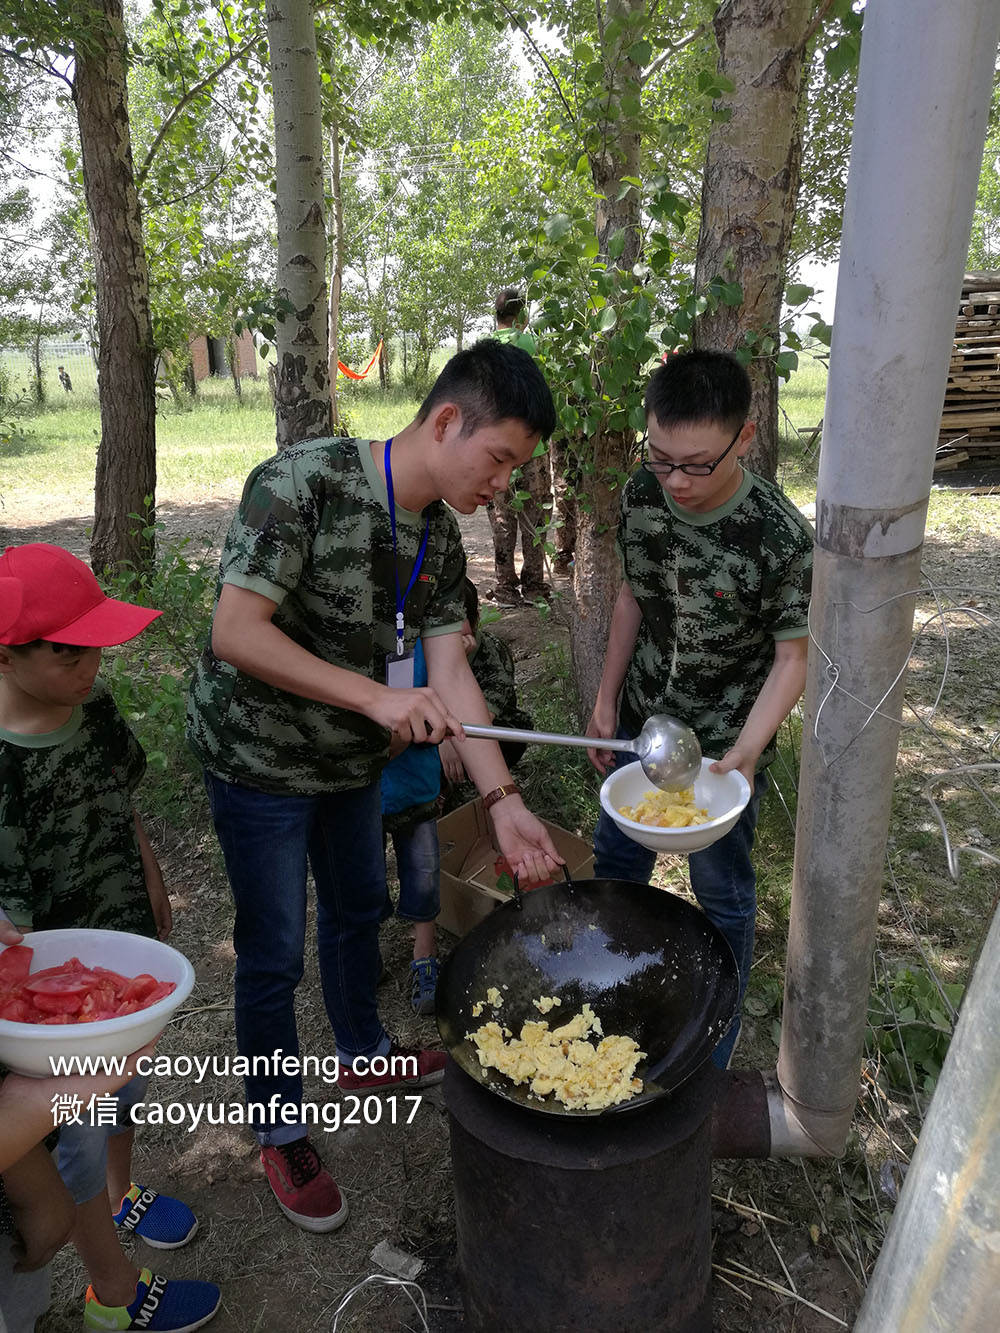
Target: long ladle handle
column 544, row 738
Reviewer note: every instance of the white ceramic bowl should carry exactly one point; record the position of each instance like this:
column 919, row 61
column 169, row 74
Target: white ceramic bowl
column 723, row 795
column 25, row 1048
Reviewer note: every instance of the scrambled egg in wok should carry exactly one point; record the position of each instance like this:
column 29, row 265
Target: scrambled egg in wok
column 666, row 809
column 581, row 1075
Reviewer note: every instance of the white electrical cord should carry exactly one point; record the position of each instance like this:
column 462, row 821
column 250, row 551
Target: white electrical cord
column 383, row 1280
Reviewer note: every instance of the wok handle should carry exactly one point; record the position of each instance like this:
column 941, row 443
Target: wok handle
column 544, row 738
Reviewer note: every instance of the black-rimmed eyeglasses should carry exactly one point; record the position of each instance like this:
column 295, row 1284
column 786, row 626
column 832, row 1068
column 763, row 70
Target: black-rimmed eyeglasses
column 664, row 469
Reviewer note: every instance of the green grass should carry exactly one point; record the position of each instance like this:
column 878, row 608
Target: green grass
column 214, row 440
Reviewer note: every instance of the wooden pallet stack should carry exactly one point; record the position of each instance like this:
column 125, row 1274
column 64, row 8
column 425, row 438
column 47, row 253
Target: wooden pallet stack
column 970, row 421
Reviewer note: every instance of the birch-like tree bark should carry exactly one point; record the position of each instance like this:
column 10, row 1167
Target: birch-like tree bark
column 750, row 187
column 337, row 275
column 595, row 567
column 302, row 397
column 126, row 457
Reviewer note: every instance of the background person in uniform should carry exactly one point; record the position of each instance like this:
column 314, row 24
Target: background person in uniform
column 532, row 515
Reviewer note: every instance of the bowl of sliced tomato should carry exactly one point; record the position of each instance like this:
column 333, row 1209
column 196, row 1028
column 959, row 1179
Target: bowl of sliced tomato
column 85, row 993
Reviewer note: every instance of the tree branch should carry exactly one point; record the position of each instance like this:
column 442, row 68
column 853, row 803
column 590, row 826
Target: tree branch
column 188, row 97
column 531, row 42
column 672, row 50
column 814, row 26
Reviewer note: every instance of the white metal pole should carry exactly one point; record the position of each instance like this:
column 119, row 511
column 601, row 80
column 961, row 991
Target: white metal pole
column 923, row 98
column 939, row 1270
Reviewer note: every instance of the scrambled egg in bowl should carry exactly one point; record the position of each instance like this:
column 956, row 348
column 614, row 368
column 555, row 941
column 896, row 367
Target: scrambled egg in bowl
column 582, row 1075
column 666, row 809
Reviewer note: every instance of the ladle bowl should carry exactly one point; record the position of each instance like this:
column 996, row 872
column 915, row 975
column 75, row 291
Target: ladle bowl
column 667, row 748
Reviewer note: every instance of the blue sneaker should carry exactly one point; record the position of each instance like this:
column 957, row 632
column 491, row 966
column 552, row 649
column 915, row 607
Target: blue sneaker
column 160, row 1306
column 162, row 1222
column 425, row 975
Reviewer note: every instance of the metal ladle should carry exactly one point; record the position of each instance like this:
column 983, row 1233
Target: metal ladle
column 667, row 748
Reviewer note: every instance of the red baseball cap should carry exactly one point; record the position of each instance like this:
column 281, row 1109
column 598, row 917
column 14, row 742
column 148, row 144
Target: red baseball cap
column 48, row 593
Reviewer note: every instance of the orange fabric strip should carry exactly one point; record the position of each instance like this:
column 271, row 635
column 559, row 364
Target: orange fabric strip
column 353, row 374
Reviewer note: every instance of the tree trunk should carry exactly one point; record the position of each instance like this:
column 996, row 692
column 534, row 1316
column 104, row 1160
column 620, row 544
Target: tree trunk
column 750, row 188
column 595, row 581
column 595, row 574
column 337, row 277
column 39, row 391
column 126, row 457
column 233, row 354
column 303, row 389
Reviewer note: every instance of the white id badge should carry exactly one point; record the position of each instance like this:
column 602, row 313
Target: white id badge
column 399, row 671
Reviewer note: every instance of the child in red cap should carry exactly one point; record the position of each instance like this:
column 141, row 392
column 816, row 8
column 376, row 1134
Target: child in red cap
column 73, row 853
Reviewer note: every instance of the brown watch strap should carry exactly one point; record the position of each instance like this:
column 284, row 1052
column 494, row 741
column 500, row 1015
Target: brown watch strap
column 498, row 793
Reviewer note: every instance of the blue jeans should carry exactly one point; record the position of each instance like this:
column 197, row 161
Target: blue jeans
column 267, row 842
column 418, row 868
column 722, row 879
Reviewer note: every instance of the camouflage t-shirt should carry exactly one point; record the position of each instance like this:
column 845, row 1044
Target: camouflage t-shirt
column 493, row 668
column 312, row 533
column 715, row 590
column 69, row 855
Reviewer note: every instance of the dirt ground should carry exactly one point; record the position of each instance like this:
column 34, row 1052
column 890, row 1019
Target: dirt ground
column 396, row 1177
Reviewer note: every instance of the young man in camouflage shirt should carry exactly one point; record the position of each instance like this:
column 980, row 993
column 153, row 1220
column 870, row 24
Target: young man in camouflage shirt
column 710, row 623
column 341, row 555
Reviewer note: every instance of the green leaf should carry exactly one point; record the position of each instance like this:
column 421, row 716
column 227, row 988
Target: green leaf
column 841, row 59
column 608, row 319
column 787, row 361
column 640, row 52
column 557, row 227
column 798, row 293
column 616, row 244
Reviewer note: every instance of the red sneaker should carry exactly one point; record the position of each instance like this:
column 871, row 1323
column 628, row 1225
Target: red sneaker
column 305, row 1190
column 403, row 1067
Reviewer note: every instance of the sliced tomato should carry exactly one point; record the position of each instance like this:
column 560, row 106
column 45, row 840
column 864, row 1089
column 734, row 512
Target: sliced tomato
column 115, row 980
column 73, row 993
column 140, row 987
column 15, row 964
column 59, row 1002
column 15, row 1010
column 99, row 1003
column 161, row 991
column 61, row 983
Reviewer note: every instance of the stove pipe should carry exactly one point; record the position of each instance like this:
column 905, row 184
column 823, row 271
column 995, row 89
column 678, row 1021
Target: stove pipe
column 597, row 1223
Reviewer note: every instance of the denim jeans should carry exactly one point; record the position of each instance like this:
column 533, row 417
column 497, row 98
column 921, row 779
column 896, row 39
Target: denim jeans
column 267, row 842
column 418, row 869
column 722, row 879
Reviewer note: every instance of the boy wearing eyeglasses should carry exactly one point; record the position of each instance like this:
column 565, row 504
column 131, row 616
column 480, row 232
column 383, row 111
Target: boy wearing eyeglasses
column 710, row 623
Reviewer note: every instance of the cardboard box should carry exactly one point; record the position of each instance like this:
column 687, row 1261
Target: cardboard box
column 468, row 854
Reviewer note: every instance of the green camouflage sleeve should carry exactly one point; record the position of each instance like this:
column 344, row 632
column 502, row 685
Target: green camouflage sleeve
column 786, row 589
column 272, row 534
column 15, row 883
column 446, row 607
column 493, row 667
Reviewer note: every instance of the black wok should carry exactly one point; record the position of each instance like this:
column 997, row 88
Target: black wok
column 653, row 967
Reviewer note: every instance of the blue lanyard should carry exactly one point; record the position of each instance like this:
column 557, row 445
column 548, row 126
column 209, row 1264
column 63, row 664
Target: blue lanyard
column 400, row 595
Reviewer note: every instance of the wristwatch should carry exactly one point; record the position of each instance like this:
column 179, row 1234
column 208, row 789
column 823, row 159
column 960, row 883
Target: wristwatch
column 498, row 793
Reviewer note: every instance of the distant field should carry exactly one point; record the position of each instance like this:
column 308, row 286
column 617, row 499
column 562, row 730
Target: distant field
column 212, row 443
